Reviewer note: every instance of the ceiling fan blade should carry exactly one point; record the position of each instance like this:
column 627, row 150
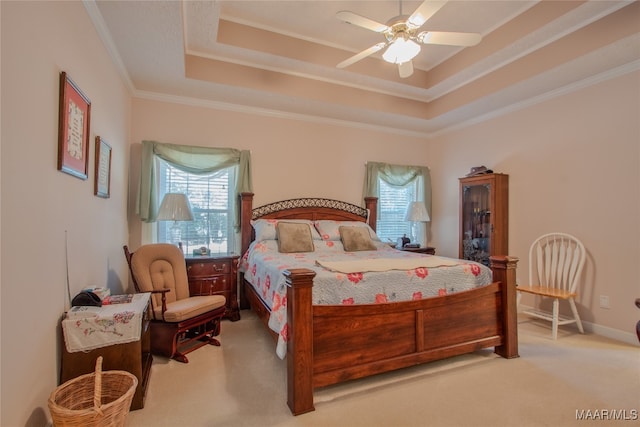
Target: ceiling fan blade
column 426, row 10
column 361, row 21
column 449, row 38
column 357, row 57
column 405, row 69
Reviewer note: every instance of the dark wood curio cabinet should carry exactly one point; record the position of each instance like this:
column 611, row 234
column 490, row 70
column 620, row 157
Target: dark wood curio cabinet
column 484, row 217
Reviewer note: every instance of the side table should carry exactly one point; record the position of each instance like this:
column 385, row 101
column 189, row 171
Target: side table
column 215, row 274
column 134, row 356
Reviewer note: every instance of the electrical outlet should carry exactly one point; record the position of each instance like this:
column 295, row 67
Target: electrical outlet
column 604, row 301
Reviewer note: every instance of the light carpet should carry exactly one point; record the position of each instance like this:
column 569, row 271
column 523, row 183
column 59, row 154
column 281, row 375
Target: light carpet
column 553, row 383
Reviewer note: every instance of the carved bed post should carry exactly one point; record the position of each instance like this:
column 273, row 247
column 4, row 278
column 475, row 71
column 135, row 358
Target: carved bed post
column 371, row 203
column 246, row 206
column 300, row 341
column 504, row 270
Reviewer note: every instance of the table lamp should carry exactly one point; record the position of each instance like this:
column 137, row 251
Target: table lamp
column 416, row 212
column 175, row 207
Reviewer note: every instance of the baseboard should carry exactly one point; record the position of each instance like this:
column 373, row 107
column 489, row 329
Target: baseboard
column 604, row 331
column 614, row 334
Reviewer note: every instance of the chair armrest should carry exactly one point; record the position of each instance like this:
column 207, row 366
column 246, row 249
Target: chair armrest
column 164, row 301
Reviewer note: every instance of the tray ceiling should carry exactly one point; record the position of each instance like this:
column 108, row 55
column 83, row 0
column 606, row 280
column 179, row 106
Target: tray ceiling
column 279, row 57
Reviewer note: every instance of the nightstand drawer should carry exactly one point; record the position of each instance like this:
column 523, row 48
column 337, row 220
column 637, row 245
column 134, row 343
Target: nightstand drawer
column 209, row 286
column 207, row 269
column 218, row 274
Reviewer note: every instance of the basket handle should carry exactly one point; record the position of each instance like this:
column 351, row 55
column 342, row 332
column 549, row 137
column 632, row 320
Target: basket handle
column 97, row 388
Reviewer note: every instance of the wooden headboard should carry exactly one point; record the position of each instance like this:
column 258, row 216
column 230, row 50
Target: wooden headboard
column 305, row 208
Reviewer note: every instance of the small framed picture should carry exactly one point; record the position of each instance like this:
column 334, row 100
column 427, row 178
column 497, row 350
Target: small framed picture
column 73, row 129
column 102, row 185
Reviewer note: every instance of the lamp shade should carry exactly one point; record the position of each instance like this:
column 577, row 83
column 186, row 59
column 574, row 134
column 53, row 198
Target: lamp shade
column 175, row 207
column 417, row 212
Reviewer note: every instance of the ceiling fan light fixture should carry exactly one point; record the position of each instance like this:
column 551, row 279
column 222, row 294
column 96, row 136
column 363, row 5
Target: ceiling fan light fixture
column 401, row 50
column 403, row 39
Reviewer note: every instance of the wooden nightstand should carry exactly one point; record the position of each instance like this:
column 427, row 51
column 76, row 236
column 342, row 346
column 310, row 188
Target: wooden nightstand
column 423, row 250
column 215, row 274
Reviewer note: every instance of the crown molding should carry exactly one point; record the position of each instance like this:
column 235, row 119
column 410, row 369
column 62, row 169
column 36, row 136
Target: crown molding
column 546, row 96
column 274, row 113
column 101, row 27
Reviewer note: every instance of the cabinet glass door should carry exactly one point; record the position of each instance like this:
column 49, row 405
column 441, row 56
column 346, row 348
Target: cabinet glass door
column 476, row 222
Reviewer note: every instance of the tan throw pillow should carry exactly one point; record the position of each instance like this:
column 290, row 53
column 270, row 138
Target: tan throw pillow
column 294, row 237
column 356, row 239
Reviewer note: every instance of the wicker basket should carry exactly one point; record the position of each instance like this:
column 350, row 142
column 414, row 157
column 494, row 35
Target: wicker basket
column 97, row 399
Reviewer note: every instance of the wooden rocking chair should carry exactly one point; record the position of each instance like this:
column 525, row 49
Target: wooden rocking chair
column 180, row 323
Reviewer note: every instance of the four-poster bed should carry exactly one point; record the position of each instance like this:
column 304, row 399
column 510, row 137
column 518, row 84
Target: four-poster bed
column 329, row 344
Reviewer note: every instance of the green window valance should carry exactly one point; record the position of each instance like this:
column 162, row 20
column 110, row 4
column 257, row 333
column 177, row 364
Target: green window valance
column 190, row 159
column 398, row 175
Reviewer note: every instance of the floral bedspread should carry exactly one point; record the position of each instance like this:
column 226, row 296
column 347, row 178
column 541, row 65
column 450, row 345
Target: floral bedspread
column 263, row 265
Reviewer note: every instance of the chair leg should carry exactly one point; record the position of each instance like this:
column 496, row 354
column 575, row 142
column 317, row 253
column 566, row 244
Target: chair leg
column 554, row 322
column 214, row 332
column 180, row 357
column 575, row 315
column 210, row 340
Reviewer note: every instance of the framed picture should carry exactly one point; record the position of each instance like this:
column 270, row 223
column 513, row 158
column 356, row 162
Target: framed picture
column 73, row 129
column 102, row 185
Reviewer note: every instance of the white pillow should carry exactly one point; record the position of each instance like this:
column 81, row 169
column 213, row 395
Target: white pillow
column 266, row 228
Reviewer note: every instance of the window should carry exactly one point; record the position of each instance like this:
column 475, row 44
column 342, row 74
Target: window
column 396, row 186
column 392, row 208
column 212, row 204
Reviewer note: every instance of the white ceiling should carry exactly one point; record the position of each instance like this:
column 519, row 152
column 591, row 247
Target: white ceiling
column 151, row 41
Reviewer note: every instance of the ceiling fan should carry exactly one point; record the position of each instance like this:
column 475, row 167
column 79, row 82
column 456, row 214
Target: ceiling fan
column 403, row 39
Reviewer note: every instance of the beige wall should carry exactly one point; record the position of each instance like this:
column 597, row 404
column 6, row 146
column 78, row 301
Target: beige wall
column 39, row 203
column 574, row 166
column 289, row 158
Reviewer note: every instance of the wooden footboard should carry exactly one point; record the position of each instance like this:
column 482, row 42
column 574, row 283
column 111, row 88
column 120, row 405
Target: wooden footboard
column 332, row 344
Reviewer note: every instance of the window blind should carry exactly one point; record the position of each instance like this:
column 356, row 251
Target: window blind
column 210, row 196
column 392, row 208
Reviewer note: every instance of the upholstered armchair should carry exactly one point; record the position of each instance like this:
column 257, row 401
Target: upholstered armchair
column 180, row 323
